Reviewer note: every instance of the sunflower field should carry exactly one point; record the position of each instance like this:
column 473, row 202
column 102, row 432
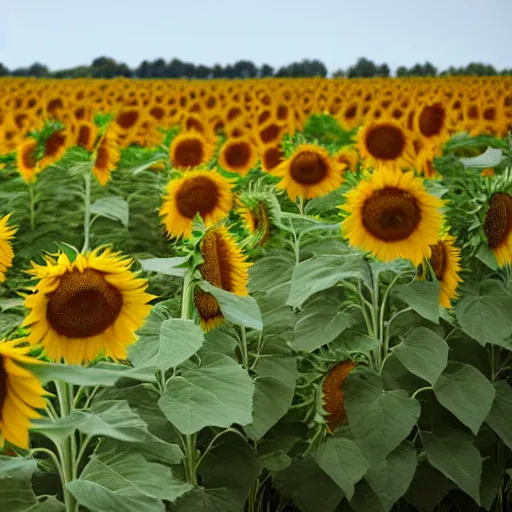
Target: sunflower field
column 260, row 295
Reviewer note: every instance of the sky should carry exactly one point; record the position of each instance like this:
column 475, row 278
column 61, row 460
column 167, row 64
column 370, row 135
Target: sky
column 67, row 33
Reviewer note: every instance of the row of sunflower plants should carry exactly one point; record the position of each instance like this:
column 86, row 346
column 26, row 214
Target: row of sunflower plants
column 360, row 362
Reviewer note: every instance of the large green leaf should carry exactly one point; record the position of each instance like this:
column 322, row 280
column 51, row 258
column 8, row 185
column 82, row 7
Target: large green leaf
column 491, row 157
column 207, row 500
column 274, row 388
column 165, row 266
column 321, row 273
column 16, row 494
column 454, row 455
column 127, row 474
column 483, row 312
column 499, row 419
column 491, row 482
column 238, row 309
column 343, row 461
column 380, row 420
column 112, row 207
column 466, row 393
column 219, row 393
column 308, row 486
column 423, row 353
column 422, row 297
column 50, row 504
column 352, row 343
column 391, row 480
column 271, row 271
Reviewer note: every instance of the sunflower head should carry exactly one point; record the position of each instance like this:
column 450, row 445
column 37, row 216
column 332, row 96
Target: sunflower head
column 271, row 156
column 27, row 161
column 190, row 149
column 308, row 173
column 424, row 161
column 333, row 394
column 392, row 215
column 85, row 134
column 55, row 145
column 238, row 155
column 224, row 266
column 6, row 253
column 87, row 307
column 197, row 192
column 106, row 156
column 347, row 158
column 498, row 227
column 431, row 120
column 385, row 141
column 21, row 394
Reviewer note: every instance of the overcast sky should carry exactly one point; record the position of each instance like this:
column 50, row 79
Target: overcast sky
column 66, row 33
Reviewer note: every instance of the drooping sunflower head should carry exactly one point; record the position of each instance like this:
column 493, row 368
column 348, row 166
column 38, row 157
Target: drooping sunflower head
column 385, row 141
column 54, row 147
column 308, row 173
column 6, row 253
column 190, row 149
column 498, row 227
column 347, row 158
column 225, row 267
column 26, row 160
column 424, row 161
column 199, row 192
column 106, row 157
column 445, row 263
column 393, row 216
column 85, row 134
column 238, row 155
column 21, row 394
column 333, row 394
column 431, row 120
column 84, row 308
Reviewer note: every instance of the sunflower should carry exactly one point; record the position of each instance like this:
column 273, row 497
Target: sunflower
column 498, row 227
column 489, row 172
column 225, row 267
column 309, row 173
column 431, row 120
column 206, row 193
column 424, row 162
column 190, row 149
column 54, row 147
column 385, row 141
column 347, row 157
column 333, row 394
column 26, row 160
column 238, row 156
column 106, row 157
column 21, row 394
column 445, row 262
column 271, row 156
column 6, row 253
column 392, row 216
column 80, row 309
column 85, row 135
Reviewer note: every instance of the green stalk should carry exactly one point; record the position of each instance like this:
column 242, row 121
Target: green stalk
column 68, row 447
column 87, row 210
column 243, row 348
column 32, row 198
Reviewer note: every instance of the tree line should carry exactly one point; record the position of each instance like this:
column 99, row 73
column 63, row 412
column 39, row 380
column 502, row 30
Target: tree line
column 107, row 67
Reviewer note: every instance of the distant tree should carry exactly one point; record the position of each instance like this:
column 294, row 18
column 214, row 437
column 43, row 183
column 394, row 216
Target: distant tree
column 339, row 73
column 304, row 68
column 203, row 72
column 363, row 68
column 175, row 69
column 106, row 67
column 402, row 71
column 20, row 72
column 143, row 70
column 429, row 69
column 383, row 70
column 245, row 69
column 217, row 71
column 38, row 70
column 3, row 70
column 266, row 71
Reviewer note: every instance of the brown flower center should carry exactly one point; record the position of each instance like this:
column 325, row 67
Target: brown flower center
column 431, row 120
column 272, row 157
column 54, row 143
column 391, row 214
column 84, row 136
column 270, row 133
column 28, row 155
column 102, row 157
column 188, row 153
column 237, row 154
column 438, row 259
column 385, row 141
column 199, row 195
column 83, row 305
column 127, row 119
column 308, row 168
column 498, row 220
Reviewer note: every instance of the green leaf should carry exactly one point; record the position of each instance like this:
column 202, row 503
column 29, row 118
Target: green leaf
column 271, row 271
column 426, row 497
column 321, row 273
column 486, row 256
column 454, row 455
column 483, row 311
column 308, row 486
column 466, row 393
column 276, row 461
column 16, row 494
column 127, row 474
column 422, row 297
column 103, row 374
column 112, row 207
column 318, row 325
column 423, row 353
column 499, row 418
column 391, row 480
column 343, row 461
column 273, row 393
column 207, row 500
column 238, row 309
column 50, row 504
column 165, row 266
column 380, row 420
column 490, row 484
column 179, row 340
column 219, row 393
column 351, row 343
column 491, row 157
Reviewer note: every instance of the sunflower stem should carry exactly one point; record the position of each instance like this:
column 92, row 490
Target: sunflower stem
column 190, row 459
column 87, row 210
column 187, row 298
column 68, row 448
column 32, row 202
column 243, row 348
